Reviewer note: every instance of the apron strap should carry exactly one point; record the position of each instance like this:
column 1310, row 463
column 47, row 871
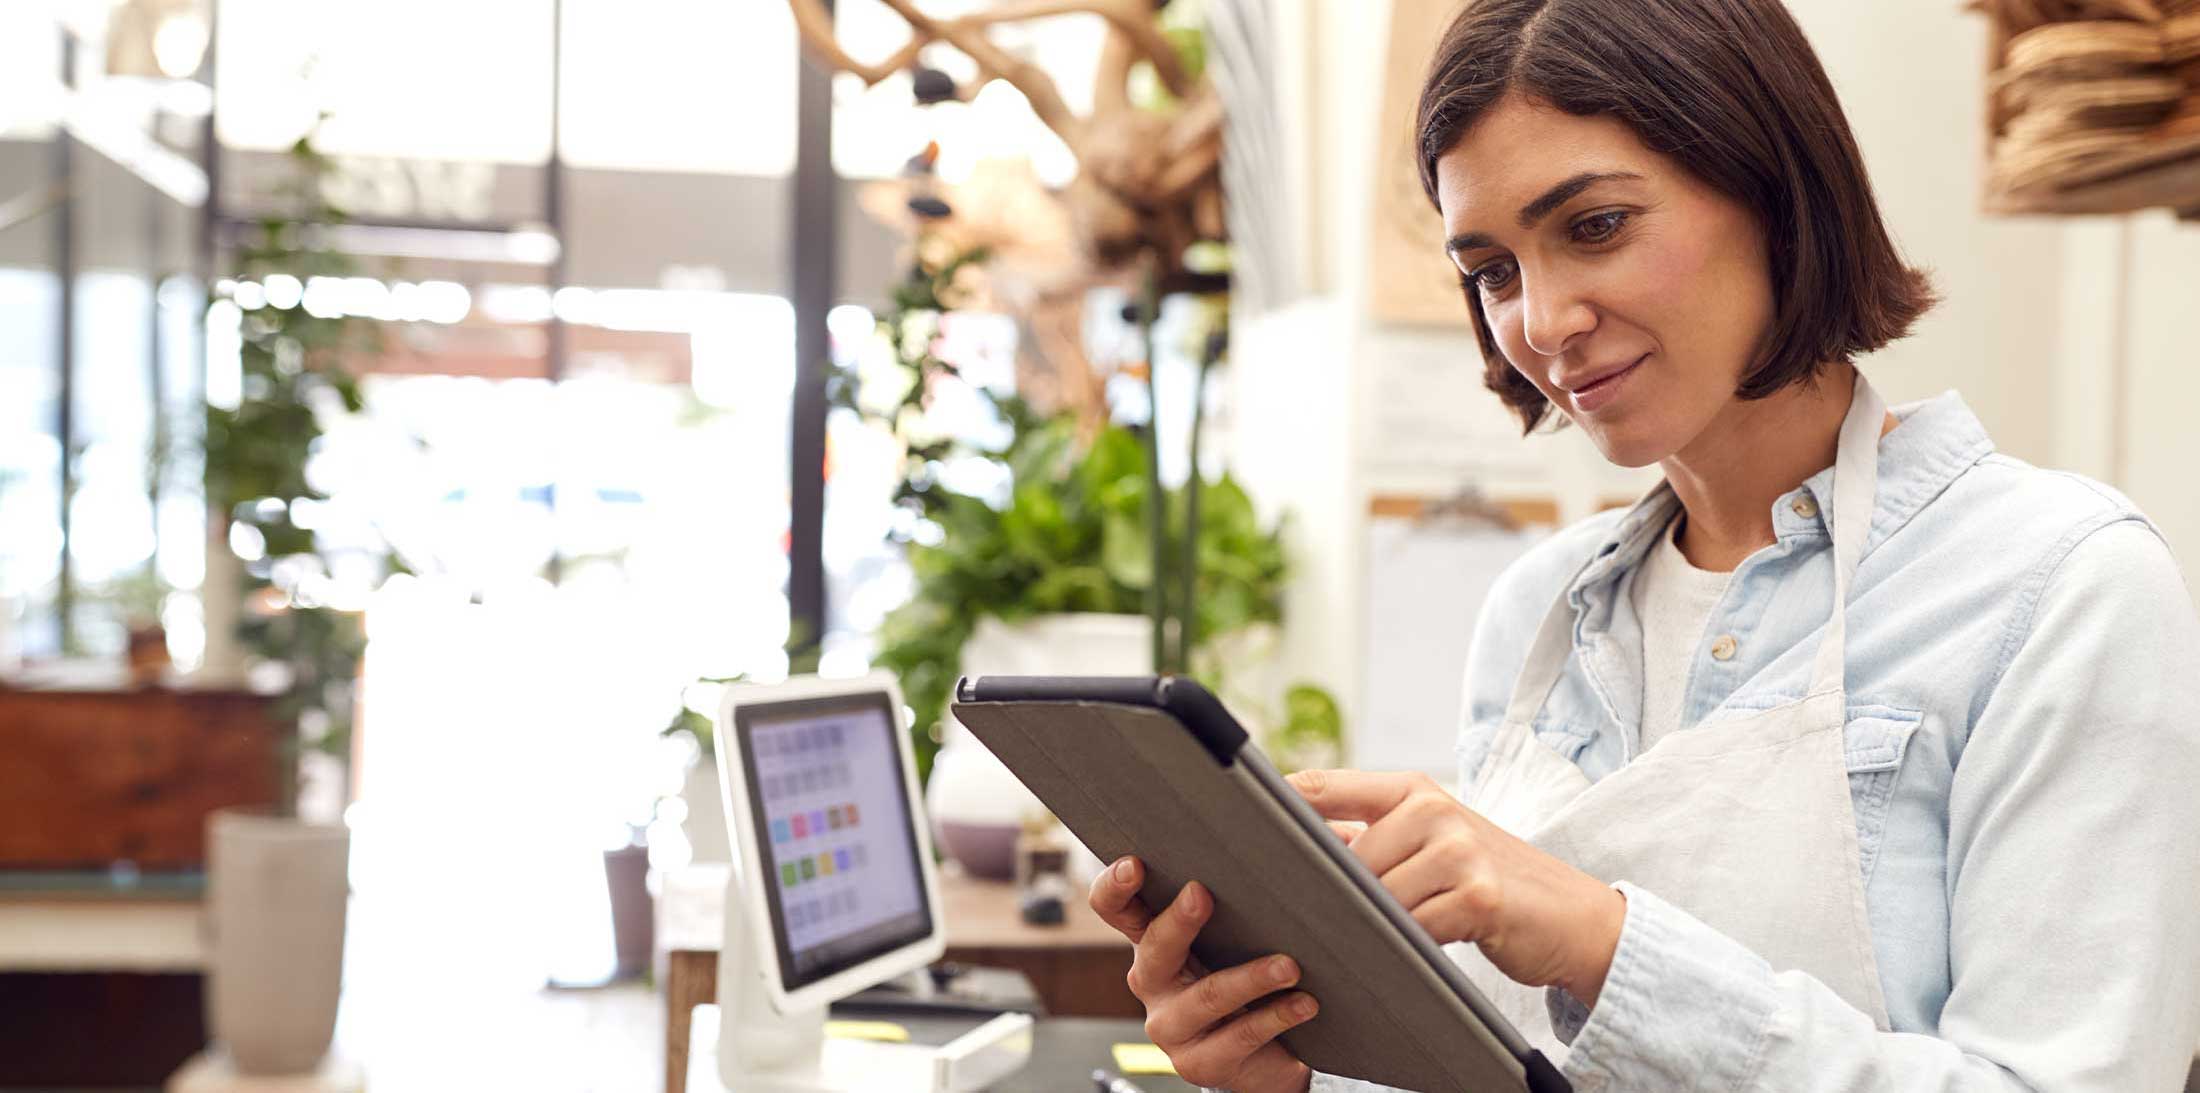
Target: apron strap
column 1554, row 640
column 1855, row 485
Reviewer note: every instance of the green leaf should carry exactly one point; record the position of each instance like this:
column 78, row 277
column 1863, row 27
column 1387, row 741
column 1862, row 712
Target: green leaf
column 1126, row 549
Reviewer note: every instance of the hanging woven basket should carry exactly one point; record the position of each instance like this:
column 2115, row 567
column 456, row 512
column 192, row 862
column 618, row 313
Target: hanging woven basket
column 2093, row 106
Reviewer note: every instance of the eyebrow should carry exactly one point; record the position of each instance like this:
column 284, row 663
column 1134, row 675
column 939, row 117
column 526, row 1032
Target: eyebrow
column 1541, row 207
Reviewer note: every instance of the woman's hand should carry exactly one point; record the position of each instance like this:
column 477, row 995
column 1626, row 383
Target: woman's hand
column 1539, row 920
column 1201, row 1019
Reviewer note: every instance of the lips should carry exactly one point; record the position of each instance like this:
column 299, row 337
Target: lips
column 1600, row 388
column 1588, row 383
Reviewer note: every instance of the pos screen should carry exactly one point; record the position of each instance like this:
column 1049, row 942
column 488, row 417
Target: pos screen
column 834, row 817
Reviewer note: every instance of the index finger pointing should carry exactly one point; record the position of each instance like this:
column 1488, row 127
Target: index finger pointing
column 1352, row 794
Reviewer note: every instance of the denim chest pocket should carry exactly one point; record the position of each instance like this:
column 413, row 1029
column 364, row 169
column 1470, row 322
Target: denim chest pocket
column 1559, row 726
column 1568, row 720
column 1874, row 740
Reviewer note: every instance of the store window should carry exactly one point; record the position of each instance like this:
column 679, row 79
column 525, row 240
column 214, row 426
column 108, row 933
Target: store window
column 424, row 79
column 30, row 462
column 672, row 85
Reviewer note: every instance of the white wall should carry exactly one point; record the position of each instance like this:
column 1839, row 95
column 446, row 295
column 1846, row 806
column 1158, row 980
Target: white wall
column 2158, row 355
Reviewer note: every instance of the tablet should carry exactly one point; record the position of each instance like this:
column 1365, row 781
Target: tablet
column 1158, row 768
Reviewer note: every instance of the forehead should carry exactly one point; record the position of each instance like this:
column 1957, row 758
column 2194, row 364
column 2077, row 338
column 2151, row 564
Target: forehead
column 1521, row 148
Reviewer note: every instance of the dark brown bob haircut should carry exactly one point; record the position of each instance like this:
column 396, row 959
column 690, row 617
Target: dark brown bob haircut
column 1729, row 89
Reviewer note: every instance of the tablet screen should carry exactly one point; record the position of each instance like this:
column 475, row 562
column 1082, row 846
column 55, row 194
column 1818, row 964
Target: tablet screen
column 825, row 785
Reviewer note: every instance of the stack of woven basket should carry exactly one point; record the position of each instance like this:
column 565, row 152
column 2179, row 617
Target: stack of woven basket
column 2095, row 105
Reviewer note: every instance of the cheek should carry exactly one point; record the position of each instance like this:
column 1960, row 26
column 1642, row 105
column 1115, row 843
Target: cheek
column 1668, row 279
column 1710, row 288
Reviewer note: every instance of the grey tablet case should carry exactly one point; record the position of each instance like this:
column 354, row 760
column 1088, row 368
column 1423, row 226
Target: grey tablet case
column 1156, row 767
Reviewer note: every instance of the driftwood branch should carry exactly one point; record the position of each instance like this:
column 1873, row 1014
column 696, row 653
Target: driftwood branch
column 815, row 25
column 1148, row 181
column 1131, row 19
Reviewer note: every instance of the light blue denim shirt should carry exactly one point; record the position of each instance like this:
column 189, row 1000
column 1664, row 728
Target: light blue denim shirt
column 2023, row 749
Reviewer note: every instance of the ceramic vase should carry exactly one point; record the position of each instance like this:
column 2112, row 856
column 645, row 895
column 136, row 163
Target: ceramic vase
column 275, row 908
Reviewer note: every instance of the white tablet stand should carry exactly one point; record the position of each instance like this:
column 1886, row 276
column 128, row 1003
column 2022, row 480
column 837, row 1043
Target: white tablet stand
column 771, row 1038
column 764, row 1050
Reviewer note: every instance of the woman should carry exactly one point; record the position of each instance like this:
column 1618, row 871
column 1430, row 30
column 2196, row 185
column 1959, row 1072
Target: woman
column 1855, row 756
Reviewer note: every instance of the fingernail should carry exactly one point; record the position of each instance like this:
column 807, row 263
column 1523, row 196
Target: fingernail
column 1280, row 970
column 1304, row 1007
column 1195, row 899
column 1122, row 870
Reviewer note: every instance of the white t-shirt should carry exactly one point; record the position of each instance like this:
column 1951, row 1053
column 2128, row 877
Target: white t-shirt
column 1674, row 600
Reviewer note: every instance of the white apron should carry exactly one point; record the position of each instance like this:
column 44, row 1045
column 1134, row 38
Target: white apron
column 1744, row 823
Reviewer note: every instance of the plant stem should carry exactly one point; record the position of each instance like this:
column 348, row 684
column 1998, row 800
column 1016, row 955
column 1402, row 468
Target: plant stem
column 1157, row 510
column 1188, row 626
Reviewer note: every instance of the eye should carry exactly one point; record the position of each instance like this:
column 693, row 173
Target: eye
column 1490, row 277
column 1600, row 227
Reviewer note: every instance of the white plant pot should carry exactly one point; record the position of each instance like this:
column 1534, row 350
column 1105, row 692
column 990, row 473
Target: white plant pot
column 705, row 825
column 275, row 904
column 977, row 806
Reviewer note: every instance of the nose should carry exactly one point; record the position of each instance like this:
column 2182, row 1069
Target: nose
column 1553, row 314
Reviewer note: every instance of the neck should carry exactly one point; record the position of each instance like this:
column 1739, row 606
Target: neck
column 1754, row 451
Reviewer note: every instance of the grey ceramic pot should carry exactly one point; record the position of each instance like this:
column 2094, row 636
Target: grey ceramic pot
column 275, row 903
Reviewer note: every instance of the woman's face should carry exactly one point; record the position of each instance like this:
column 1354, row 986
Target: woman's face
column 1631, row 293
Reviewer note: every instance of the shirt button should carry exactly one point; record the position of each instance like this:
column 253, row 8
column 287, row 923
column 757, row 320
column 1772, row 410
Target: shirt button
column 1724, row 647
column 1805, row 507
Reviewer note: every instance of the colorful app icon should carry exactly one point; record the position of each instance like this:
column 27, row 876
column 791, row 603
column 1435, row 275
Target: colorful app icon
column 781, row 832
column 809, row 871
column 832, row 817
column 788, row 875
column 824, row 865
column 841, row 858
column 817, row 820
column 801, row 826
column 849, row 810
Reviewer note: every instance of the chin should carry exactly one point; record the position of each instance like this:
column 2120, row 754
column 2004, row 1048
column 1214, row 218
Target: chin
column 1623, row 446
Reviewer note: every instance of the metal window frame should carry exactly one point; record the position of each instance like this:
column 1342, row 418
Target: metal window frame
column 814, row 258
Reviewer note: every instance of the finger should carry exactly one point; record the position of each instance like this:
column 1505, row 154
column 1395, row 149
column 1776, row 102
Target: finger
column 1167, row 946
column 1421, row 878
column 1273, row 1067
column 1353, row 794
column 1114, row 897
column 1212, row 998
column 1346, row 830
column 1226, row 1049
column 1389, row 842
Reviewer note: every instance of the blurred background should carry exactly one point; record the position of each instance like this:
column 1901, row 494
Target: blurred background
column 413, row 414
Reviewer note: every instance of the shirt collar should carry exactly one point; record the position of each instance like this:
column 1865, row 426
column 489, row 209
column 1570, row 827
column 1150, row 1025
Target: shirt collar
column 1936, row 441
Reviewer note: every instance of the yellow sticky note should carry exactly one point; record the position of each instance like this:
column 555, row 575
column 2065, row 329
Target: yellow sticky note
column 886, row 1031
column 1142, row 1059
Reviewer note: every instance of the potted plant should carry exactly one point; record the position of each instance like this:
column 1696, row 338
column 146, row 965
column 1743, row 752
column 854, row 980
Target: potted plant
column 1069, row 574
column 277, row 885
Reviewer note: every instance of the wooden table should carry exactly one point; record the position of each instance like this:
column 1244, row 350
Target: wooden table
column 1077, row 968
